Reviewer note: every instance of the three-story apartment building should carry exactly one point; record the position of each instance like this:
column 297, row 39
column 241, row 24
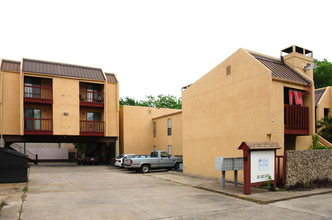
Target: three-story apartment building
column 47, row 102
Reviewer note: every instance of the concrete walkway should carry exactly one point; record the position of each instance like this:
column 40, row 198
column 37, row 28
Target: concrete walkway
column 258, row 195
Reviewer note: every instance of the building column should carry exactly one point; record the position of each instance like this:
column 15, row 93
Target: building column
column 117, row 148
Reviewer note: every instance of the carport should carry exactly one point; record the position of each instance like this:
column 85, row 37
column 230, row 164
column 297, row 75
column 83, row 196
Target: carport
column 104, row 147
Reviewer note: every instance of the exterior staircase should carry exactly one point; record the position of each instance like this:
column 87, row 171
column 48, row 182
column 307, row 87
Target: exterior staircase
column 31, row 156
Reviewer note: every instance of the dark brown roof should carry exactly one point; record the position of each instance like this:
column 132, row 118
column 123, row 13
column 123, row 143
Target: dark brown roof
column 8, row 65
column 60, row 69
column 280, row 70
column 318, row 95
column 111, row 78
column 259, row 145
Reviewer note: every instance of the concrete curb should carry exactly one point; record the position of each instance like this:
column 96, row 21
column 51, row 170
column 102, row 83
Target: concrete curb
column 244, row 197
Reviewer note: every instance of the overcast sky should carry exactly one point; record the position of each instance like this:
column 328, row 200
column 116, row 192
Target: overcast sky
column 158, row 46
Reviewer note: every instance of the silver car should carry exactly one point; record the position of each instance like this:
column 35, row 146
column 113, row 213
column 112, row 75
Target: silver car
column 120, row 158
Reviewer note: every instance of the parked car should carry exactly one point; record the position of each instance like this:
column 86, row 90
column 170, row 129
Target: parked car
column 88, row 159
column 157, row 160
column 120, row 158
column 126, row 161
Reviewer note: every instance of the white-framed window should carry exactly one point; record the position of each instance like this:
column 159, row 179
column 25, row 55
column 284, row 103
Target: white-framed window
column 170, row 149
column 154, row 129
column 169, row 126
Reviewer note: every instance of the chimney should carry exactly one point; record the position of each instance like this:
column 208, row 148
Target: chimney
column 299, row 59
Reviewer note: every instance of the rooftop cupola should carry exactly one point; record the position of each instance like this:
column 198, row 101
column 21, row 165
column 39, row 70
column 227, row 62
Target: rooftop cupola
column 299, row 59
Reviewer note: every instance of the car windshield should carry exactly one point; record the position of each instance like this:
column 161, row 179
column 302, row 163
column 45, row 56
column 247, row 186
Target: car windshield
column 119, row 157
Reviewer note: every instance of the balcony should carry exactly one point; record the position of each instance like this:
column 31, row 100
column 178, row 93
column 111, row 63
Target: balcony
column 296, row 119
column 91, row 99
column 38, row 94
column 37, row 126
column 91, row 128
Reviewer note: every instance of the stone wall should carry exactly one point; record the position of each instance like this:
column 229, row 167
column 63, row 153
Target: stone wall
column 304, row 167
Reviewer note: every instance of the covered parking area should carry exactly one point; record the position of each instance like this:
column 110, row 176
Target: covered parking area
column 103, row 147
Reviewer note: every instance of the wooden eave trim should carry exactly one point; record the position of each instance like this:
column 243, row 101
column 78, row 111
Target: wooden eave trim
column 51, row 76
column 289, row 81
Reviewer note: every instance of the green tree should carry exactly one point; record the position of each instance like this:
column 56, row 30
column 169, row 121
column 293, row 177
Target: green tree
column 161, row 101
column 322, row 73
column 127, row 101
column 325, row 128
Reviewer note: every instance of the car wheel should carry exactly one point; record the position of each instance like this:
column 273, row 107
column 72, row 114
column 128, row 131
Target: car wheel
column 145, row 168
column 177, row 166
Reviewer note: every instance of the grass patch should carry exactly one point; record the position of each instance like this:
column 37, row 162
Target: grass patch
column 25, row 189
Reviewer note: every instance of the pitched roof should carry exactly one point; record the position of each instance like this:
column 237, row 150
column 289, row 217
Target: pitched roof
column 9, row 65
column 111, row 78
column 60, row 69
column 318, row 95
column 259, row 145
column 280, row 70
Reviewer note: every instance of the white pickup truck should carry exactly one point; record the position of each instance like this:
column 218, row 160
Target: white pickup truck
column 157, row 160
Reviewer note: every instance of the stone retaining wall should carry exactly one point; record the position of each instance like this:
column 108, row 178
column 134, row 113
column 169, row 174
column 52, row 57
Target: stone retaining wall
column 304, row 167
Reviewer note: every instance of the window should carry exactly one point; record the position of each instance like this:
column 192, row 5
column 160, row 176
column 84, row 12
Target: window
column 32, row 119
column 93, row 116
column 31, row 87
column 154, row 129
column 169, row 126
column 155, row 148
column 326, row 112
column 164, row 154
column 228, row 70
column 92, row 93
column 154, row 154
column 170, row 149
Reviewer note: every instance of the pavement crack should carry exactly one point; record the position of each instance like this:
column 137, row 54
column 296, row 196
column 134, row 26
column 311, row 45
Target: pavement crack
column 23, row 197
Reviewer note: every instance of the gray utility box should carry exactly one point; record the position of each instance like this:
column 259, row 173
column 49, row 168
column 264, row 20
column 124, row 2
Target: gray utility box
column 228, row 163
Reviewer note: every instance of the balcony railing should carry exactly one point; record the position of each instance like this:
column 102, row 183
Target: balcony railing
column 296, row 119
column 93, row 99
column 38, row 94
column 92, row 128
column 37, row 126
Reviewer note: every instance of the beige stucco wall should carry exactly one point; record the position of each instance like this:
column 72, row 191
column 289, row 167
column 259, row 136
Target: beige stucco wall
column 220, row 111
column 10, row 103
column 111, row 110
column 65, row 99
column 325, row 102
column 162, row 139
column 136, row 128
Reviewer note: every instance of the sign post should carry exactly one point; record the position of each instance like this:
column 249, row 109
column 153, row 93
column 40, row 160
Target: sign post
column 259, row 164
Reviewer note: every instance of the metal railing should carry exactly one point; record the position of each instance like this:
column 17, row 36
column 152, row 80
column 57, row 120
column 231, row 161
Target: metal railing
column 296, row 119
column 38, row 94
column 89, row 98
column 38, row 126
column 32, row 157
column 95, row 128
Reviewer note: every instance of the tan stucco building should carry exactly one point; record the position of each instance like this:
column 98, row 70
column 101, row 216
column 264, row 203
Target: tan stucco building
column 51, row 102
column 144, row 129
column 323, row 102
column 248, row 97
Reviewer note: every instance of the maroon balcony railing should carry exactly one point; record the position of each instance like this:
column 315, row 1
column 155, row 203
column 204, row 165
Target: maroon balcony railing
column 92, row 128
column 296, row 119
column 37, row 126
column 38, row 94
column 93, row 99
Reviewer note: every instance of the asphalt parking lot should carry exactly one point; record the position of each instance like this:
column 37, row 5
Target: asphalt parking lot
column 106, row 192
